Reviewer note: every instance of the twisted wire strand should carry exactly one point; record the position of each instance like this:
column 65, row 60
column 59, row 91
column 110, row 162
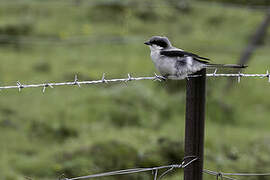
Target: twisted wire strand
column 138, row 170
column 156, row 77
column 217, row 174
column 225, row 175
column 247, row 174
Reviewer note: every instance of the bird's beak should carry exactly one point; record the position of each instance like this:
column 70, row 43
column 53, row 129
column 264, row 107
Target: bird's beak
column 147, row 43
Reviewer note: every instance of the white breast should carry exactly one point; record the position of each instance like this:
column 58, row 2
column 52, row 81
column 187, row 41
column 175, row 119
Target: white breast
column 166, row 66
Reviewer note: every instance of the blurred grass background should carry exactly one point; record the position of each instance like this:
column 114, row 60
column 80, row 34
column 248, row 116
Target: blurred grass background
column 78, row 131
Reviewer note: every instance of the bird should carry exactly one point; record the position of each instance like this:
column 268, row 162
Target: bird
column 177, row 64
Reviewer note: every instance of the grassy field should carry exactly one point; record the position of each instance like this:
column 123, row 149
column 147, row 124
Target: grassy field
column 80, row 131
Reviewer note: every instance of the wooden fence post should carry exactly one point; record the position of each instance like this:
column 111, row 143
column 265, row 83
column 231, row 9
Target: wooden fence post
column 194, row 131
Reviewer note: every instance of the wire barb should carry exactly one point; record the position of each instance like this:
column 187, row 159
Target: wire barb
column 219, row 175
column 129, row 78
column 239, row 77
column 62, row 177
column 156, row 174
column 20, row 86
column 103, row 80
column 187, row 164
column 268, row 75
column 165, row 173
column 76, row 81
column 45, row 86
column 214, row 74
column 159, row 78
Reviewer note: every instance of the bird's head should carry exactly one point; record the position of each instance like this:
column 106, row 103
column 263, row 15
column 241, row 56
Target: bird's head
column 158, row 43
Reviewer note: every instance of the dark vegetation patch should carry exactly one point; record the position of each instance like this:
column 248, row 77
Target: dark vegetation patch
column 243, row 2
column 58, row 132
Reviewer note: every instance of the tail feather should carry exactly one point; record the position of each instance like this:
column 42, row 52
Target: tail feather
column 225, row 66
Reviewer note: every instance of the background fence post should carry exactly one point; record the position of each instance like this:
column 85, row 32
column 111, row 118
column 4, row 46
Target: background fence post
column 194, row 131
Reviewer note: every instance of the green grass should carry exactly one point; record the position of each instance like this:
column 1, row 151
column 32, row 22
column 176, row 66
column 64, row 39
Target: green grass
column 45, row 135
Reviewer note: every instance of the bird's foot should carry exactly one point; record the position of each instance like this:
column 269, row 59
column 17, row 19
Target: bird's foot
column 159, row 78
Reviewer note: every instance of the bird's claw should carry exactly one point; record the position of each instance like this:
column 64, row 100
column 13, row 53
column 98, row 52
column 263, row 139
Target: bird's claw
column 159, row 78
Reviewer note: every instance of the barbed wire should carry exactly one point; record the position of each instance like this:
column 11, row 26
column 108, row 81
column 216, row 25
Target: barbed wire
column 240, row 75
column 156, row 77
column 20, row 86
column 154, row 170
column 169, row 168
column 221, row 175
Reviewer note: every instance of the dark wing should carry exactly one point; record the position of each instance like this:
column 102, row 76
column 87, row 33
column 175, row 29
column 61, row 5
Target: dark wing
column 177, row 53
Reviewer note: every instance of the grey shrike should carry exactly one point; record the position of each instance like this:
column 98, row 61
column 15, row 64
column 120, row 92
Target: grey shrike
column 174, row 63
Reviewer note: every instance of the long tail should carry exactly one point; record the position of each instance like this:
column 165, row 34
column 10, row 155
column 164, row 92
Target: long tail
column 225, row 66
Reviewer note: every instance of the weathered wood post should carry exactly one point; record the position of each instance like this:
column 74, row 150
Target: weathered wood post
column 194, row 131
